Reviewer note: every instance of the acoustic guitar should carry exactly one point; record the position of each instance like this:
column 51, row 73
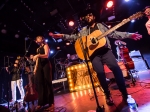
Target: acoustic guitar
column 96, row 39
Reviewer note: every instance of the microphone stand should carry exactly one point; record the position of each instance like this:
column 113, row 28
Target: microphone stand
column 85, row 53
column 26, row 49
column 56, row 72
column 8, row 79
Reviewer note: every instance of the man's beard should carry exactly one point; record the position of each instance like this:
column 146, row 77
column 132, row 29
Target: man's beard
column 90, row 23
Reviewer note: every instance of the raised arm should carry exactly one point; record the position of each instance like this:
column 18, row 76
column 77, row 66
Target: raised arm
column 71, row 37
column 122, row 35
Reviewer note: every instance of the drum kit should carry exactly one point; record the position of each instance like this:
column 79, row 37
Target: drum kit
column 61, row 64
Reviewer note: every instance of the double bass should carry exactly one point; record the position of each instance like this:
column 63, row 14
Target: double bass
column 124, row 53
column 31, row 93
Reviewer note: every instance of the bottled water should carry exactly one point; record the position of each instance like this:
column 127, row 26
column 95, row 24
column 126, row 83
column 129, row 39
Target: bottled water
column 132, row 104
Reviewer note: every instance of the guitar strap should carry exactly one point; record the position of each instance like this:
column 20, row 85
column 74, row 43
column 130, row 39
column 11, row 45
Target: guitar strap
column 86, row 48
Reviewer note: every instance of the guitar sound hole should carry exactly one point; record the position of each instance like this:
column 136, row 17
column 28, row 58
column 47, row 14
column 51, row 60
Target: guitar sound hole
column 93, row 41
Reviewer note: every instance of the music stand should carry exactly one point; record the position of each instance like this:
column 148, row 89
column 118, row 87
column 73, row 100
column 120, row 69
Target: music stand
column 85, row 53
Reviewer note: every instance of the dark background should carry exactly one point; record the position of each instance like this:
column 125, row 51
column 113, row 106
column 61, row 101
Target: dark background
column 22, row 19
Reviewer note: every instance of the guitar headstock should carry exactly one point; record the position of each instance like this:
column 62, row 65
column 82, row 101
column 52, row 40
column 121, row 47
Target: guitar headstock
column 136, row 15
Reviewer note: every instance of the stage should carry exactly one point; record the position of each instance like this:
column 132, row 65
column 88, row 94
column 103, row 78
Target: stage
column 84, row 101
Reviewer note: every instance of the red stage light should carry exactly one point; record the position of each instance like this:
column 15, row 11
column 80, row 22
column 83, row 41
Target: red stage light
column 110, row 4
column 71, row 23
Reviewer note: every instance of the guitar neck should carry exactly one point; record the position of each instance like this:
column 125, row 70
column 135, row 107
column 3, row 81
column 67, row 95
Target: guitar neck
column 113, row 28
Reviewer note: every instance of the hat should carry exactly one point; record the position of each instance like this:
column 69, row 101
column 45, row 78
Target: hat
column 88, row 11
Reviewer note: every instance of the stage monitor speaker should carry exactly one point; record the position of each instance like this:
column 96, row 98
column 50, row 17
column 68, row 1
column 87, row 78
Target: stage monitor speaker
column 139, row 64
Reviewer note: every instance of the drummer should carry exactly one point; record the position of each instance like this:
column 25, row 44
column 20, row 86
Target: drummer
column 69, row 58
column 72, row 58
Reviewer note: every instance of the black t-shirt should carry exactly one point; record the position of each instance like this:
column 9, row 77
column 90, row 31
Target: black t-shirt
column 92, row 29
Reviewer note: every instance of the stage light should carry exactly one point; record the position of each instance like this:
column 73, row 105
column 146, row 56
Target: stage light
column 109, row 26
column 67, row 43
column 4, row 31
column 58, row 47
column 110, row 4
column 16, row 35
column 126, row 0
column 52, row 52
column 71, row 23
column 46, row 40
column 132, row 21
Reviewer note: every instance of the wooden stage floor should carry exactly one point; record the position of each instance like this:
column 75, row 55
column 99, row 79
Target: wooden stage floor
column 84, row 101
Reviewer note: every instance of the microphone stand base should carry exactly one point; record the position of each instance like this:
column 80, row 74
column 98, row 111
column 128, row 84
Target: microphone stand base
column 100, row 109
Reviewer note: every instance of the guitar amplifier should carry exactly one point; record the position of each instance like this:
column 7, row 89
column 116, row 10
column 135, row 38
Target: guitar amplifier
column 139, row 64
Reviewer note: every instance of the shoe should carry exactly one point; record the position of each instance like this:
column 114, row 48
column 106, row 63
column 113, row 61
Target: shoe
column 50, row 108
column 109, row 100
column 38, row 108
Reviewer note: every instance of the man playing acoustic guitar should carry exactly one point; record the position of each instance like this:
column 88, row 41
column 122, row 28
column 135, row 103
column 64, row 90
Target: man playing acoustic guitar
column 104, row 54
